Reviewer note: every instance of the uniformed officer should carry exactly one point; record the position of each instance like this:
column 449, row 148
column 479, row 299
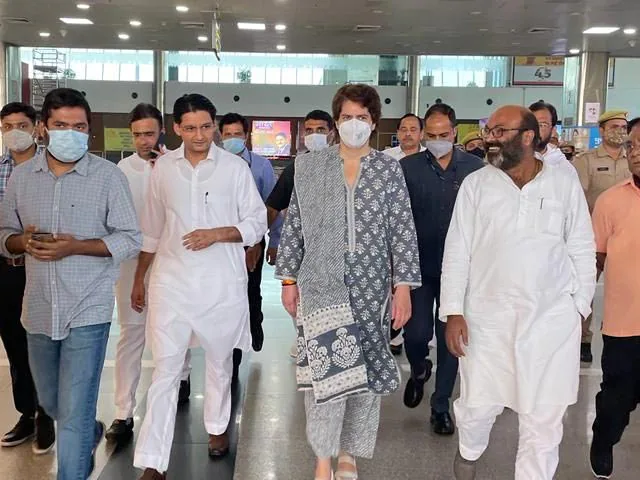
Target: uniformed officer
column 473, row 143
column 600, row 169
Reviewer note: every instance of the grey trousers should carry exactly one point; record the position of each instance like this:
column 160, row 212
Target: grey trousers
column 349, row 425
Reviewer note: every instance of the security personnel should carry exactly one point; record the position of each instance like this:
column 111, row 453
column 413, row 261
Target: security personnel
column 473, row 144
column 600, row 169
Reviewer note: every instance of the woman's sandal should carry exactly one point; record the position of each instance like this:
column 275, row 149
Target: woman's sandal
column 332, row 477
column 346, row 474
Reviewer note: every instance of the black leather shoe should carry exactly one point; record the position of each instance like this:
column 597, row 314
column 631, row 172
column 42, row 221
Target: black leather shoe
column 237, row 360
column 45, row 434
column 396, row 350
column 601, row 459
column 585, row 353
column 120, row 431
column 257, row 338
column 442, row 423
column 23, row 431
column 185, row 391
column 414, row 391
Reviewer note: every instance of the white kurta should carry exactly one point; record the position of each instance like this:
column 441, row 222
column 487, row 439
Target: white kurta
column 138, row 172
column 520, row 266
column 397, row 153
column 554, row 156
column 207, row 289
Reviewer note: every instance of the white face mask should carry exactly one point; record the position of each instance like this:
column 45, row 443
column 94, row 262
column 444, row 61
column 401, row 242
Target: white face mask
column 439, row 148
column 355, row 133
column 315, row 141
column 17, row 140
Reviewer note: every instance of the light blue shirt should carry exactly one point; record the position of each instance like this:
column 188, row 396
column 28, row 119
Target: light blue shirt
column 265, row 178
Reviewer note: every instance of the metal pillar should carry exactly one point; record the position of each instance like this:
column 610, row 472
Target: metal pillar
column 159, row 79
column 413, row 85
column 585, row 82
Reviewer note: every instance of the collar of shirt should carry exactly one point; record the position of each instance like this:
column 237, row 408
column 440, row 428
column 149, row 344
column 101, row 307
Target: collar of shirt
column 247, row 156
column 40, row 164
column 602, row 153
column 179, row 153
column 7, row 158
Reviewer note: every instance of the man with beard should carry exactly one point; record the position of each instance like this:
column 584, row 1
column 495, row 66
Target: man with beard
column 599, row 170
column 518, row 274
column 547, row 117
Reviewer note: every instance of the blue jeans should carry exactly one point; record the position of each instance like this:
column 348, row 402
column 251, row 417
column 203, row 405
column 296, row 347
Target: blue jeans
column 67, row 378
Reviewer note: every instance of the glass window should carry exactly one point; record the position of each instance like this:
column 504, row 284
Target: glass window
column 128, row 72
column 78, row 70
column 289, row 76
column 226, row 75
column 194, row 73
column 145, row 73
column 210, row 74
column 258, row 75
column 273, row 75
column 111, row 72
column 94, row 71
column 463, row 71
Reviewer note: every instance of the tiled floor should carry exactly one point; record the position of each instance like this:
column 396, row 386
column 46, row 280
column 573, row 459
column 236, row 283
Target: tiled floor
column 272, row 444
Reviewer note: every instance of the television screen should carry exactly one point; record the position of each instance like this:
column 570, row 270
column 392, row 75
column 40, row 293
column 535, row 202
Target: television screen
column 271, row 138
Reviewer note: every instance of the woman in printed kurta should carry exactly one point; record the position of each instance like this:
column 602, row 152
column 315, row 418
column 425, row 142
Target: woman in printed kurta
column 364, row 230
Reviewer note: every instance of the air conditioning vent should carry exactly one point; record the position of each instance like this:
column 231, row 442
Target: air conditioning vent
column 541, row 30
column 15, row 20
column 193, row 25
column 367, row 28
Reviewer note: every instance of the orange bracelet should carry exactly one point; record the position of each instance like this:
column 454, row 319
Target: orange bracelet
column 288, row 283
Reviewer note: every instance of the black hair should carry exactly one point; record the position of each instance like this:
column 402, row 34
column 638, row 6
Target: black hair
column 19, row 107
column 143, row 111
column 61, row 98
column 281, row 134
column 537, row 106
column 364, row 95
column 231, row 118
column 530, row 122
column 442, row 109
column 190, row 103
column 411, row 115
column 320, row 115
column 632, row 123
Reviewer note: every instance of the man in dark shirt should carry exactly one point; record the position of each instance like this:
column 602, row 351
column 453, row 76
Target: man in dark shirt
column 433, row 178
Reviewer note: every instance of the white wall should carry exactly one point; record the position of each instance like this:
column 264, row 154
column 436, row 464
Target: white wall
column 626, row 91
column 113, row 97
column 268, row 100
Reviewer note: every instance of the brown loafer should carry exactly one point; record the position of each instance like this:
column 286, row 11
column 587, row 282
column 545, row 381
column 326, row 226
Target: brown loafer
column 151, row 474
column 218, row 445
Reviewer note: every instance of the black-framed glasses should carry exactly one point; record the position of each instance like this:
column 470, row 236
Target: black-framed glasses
column 498, row 132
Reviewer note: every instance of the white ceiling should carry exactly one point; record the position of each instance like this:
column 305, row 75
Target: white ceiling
column 326, row 26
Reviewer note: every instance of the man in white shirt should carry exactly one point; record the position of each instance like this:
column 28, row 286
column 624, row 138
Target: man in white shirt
column 410, row 133
column 146, row 125
column 202, row 209
column 547, row 117
column 518, row 274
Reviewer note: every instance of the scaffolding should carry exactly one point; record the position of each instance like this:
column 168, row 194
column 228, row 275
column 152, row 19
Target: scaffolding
column 49, row 66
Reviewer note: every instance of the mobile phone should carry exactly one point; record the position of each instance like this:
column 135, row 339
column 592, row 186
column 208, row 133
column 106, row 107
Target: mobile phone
column 160, row 143
column 153, row 155
column 43, row 237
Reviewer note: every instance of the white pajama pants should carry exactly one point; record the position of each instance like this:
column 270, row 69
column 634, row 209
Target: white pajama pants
column 129, row 366
column 540, row 434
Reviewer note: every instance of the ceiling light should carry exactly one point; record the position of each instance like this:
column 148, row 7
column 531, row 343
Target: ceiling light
column 44, row 34
column 135, row 23
column 574, row 51
column 600, row 30
column 476, row 13
column 76, row 21
column 630, row 31
column 123, row 36
column 83, row 6
column 203, row 38
column 281, row 47
column 378, row 12
column 281, row 27
column 251, row 26
column 483, row 29
column 182, row 9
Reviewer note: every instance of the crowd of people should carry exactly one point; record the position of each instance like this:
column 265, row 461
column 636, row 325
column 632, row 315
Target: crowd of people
column 494, row 245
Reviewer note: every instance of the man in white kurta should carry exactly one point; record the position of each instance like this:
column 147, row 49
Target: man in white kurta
column 146, row 126
column 202, row 209
column 518, row 274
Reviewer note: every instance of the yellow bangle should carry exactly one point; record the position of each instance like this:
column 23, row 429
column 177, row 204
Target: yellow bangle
column 288, row 283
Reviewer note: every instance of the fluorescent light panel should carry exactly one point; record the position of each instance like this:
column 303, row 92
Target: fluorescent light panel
column 574, row 51
column 44, row 34
column 630, row 31
column 182, row 9
column 135, row 23
column 281, row 47
column 83, row 6
column 281, row 27
column 251, row 26
column 123, row 36
column 203, row 38
column 76, row 21
column 600, row 30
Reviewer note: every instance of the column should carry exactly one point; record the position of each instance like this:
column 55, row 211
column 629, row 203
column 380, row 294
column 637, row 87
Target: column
column 586, row 79
column 159, row 78
column 413, row 85
column 13, row 68
column 3, row 74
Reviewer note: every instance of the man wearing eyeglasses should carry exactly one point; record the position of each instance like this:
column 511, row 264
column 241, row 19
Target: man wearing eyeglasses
column 547, row 117
column 517, row 276
column 599, row 170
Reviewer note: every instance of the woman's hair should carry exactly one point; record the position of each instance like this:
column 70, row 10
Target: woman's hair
column 364, row 95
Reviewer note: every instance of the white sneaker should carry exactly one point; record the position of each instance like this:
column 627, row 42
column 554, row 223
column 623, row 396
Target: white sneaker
column 293, row 353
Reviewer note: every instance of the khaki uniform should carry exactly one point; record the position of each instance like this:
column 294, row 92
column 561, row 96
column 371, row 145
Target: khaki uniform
column 598, row 172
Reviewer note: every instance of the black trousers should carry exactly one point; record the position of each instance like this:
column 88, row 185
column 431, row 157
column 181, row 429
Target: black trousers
column 14, row 338
column 620, row 389
column 418, row 332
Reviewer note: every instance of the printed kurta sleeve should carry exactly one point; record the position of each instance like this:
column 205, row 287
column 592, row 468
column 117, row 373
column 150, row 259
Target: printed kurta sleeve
column 9, row 218
column 291, row 251
column 456, row 262
column 153, row 214
column 401, row 231
column 124, row 239
column 252, row 212
column 581, row 246
column 602, row 227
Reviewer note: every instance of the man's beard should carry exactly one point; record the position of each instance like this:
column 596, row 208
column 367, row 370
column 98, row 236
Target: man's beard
column 508, row 156
column 543, row 143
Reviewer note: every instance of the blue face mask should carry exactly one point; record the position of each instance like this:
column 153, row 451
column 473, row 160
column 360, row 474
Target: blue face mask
column 69, row 145
column 233, row 145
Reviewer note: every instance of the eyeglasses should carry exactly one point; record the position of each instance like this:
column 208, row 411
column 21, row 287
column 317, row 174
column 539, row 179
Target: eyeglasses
column 544, row 125
column 498, row 132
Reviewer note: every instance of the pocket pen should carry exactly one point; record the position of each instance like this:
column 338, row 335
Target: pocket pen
column 206, row 198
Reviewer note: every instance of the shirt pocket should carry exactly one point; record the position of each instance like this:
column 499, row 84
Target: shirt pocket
column 550, row 218
column 217, row 211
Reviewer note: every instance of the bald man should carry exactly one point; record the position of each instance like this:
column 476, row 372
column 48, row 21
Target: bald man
column 517, row 277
